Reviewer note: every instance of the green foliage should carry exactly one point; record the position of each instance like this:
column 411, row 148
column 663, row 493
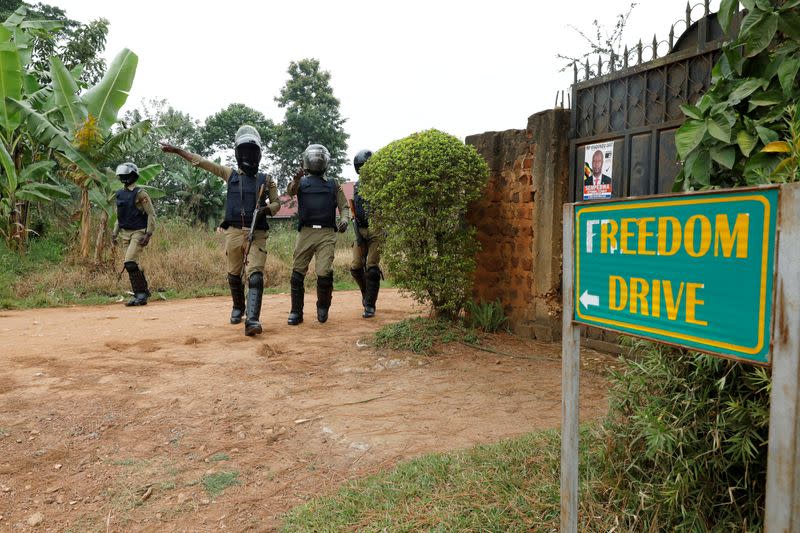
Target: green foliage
column 488, row 317
column 754, row 83
column 419, row 189
column 685, row 427
column 201, row 196
column 220, row 128
column 106, row 98
column 76, row 44
column 421, row 335
column 215, row 484
column 788, row 170
column 173, row 127
column 312, row 116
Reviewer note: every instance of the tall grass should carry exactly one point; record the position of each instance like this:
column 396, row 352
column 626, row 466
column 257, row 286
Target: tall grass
column 181, row 261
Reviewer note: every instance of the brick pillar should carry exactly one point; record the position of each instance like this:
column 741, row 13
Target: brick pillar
column 519, row 222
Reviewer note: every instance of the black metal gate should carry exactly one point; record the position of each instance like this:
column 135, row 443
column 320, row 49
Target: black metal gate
column 638, row 107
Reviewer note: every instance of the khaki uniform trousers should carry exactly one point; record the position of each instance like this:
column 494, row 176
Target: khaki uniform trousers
column 129, row 238
column 369, row 253
column 319, row 242
column 235, row 242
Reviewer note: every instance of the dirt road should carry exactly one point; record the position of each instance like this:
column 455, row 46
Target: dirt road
column 121, row 419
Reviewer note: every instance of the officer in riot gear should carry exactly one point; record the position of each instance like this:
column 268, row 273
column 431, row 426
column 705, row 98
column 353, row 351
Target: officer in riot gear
column 365, row 267
column 244, row 184
column 136, row 221
column 318, row 197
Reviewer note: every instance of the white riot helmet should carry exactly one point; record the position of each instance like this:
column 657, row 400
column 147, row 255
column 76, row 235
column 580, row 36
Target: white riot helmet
column 247, row 147
column 127, row 173
column 316, row 158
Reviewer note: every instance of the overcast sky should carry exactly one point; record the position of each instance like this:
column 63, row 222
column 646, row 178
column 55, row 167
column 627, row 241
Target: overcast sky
column 463, row 67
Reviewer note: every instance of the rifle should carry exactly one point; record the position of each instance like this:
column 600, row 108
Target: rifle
column 252, row 232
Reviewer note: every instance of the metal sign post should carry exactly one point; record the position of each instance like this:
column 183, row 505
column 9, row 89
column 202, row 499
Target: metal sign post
column 701, row 271
column 570, row 386
column 782, row 514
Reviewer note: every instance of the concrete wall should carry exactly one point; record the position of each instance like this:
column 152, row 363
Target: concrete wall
column 519, row 222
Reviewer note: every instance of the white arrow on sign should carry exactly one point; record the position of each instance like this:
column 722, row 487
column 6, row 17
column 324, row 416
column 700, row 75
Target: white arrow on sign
column 589, row 299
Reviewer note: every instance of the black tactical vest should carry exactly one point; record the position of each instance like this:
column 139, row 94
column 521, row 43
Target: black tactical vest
column 317, row 202
column 130, row 217
column 241, row 200
column 362, row 209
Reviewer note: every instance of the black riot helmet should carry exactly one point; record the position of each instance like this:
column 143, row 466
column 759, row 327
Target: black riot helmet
column 361, row 158
column 247, row 146
column 127, row 173
column 316, row 158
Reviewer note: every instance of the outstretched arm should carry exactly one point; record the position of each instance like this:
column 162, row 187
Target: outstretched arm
column 198, row 161
column 294, row 186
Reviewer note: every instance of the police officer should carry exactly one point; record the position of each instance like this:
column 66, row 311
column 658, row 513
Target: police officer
column 136, row 221
column 244, row 183
column 318, row 196
column 367, row 248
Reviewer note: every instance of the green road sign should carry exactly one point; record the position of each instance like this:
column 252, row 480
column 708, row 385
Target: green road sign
column 693, row 270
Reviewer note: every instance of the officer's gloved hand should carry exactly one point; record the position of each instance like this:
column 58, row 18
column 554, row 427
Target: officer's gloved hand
column 145, row 240
column 341, row 227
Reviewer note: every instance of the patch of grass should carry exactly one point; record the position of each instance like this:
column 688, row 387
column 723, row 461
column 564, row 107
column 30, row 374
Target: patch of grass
column 420, row 335
column 182, row 261
column 509, row 486
column 219, row 457
column 215, row 484
column 487, row 316
column 125, row 462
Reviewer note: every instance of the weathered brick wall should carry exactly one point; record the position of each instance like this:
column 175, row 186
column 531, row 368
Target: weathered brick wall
column 519, row 222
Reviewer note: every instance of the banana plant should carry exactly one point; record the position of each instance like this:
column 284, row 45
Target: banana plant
column 103, row 196
column 81, row 126
column 201, row 198
column 17, row 83
column 25, row 186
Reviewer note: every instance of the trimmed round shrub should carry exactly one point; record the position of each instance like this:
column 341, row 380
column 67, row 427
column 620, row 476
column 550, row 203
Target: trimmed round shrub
column 419, row 189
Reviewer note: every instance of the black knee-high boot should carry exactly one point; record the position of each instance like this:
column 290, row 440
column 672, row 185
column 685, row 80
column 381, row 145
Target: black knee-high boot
column 298, row 292
column 255, row 291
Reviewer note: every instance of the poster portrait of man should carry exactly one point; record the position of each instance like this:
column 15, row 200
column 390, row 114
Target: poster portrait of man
column 599, row 161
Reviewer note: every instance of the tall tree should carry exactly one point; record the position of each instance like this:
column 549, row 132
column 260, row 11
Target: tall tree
column 220, row 128
column 78, row 45
column 312, row 116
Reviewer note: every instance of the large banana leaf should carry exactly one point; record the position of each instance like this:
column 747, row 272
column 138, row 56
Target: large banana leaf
column 41, row 129
column 45, row 26
column 66, row 92
column 149, row 172
column 39, row 98
column 16, row 18
column 41, row 192
column 128, row 140
column 105, row 99
column 10, row 80
column 35, row 171
column 10, row 171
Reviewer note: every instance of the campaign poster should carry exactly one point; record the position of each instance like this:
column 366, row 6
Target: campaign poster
column 599, row 160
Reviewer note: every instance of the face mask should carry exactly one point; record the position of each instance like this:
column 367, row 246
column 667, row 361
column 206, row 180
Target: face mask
column 248, row 156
